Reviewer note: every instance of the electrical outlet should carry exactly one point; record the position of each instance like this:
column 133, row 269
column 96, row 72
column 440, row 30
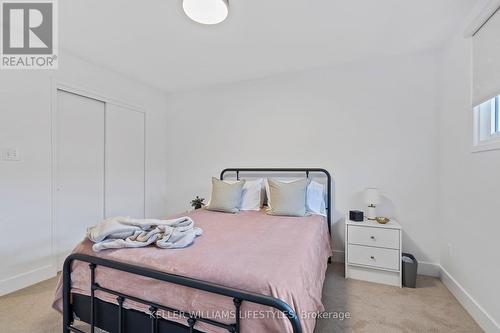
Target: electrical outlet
column 11, row 154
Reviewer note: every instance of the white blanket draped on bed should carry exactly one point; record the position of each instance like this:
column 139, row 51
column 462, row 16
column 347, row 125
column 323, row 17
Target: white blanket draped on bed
column 120, row 232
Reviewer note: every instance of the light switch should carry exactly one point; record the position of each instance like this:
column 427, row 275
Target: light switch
column 11, row 154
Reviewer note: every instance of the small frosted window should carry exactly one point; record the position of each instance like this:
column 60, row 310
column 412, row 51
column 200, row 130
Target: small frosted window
column 487, row 124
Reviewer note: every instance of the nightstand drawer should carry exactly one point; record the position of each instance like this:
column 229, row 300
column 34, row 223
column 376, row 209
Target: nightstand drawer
column 373, row 256
column 380, row 237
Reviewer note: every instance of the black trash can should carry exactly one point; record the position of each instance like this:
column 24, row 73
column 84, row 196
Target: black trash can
column 410, row 265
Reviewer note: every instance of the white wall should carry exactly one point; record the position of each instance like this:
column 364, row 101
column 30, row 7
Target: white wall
column 469, row 195
column 25, row 123
column 370, row 124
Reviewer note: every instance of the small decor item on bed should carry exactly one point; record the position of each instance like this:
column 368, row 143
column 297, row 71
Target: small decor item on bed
column 287, row 198
column 226, row 197
column 197, row 202
column 382, row 220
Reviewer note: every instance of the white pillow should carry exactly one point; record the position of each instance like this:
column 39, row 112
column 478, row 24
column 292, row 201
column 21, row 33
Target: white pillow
column 315, row 197
column 252, row 196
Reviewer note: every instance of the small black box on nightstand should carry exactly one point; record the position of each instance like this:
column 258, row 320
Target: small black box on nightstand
column 356, row 215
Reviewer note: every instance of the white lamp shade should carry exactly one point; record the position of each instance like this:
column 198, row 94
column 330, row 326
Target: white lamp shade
column 206, row 11
column 372, row 196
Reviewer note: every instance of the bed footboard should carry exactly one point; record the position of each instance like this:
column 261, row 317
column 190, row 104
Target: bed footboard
column 238, row 297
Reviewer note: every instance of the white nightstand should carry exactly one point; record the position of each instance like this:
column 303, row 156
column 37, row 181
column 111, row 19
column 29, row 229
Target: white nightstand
column 373, row 251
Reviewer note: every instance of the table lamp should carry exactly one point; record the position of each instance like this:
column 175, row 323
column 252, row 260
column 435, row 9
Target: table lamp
column 372, row 199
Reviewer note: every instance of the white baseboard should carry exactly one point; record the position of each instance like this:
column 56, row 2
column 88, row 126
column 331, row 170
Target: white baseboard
column 429, row 269
column 27, row 279
column 483, row 318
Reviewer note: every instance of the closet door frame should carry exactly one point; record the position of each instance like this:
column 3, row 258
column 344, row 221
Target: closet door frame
column 57, row 85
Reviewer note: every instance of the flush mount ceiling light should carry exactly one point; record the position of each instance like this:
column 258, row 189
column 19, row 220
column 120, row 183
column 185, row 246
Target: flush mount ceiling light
column 206, row 11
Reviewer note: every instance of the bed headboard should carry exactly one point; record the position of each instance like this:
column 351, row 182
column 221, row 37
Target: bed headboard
column 306, row 171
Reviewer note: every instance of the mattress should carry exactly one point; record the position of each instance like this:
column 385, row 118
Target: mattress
column 282, row 257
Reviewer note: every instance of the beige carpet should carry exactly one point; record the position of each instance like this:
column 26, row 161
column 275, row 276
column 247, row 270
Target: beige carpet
column 378, row 308
column 372, row 308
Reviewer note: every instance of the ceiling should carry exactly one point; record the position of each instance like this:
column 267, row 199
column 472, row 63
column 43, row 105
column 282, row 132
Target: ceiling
column 154, row 42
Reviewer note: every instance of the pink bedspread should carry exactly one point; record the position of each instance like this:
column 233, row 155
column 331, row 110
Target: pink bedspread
column 283, row 257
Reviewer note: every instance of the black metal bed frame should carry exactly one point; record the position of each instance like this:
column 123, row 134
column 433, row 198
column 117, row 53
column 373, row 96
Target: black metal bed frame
column 117, row 318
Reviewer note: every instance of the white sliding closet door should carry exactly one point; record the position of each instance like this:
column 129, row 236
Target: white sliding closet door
column 79, row 181
column 124, row 171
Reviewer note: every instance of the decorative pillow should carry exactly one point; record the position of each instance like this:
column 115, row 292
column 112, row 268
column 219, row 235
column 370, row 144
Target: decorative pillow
column 315, row 196
column 225, row 197
column 252, row 196
column 288, row 199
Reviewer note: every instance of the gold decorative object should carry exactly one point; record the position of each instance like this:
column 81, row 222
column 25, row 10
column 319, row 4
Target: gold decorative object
column 382, row 220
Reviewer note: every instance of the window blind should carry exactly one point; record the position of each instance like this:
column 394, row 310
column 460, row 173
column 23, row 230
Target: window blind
column 486, row 60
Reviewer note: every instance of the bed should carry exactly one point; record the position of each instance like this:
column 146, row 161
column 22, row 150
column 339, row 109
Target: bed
column 249, row 272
